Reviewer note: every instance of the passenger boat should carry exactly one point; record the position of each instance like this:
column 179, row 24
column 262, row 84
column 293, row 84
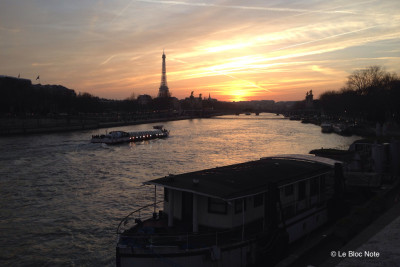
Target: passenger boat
column 237, row 215
column 116, row 137
column 326, row 127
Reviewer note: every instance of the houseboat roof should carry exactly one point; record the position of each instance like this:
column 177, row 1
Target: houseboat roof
column 244, row 179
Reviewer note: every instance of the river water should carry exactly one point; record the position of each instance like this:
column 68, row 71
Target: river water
column 61, row 197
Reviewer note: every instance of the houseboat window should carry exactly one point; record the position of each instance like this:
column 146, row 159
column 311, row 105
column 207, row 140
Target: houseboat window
column 217, row 206
column 258, row 200
column 239, row 205
column 289, row 212
column 302, row 190
column 322, row 183
column 314, row 186
column 166, row 194
column 289, row 189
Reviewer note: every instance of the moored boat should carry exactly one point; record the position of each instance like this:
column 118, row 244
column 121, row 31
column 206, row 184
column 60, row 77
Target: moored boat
column 295, row 118
column 341, row 128
column 116, row 137
column 237, row 215
column 326, row 127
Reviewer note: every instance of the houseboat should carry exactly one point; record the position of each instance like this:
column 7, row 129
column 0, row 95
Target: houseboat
column 116, row 137
column 237, row 215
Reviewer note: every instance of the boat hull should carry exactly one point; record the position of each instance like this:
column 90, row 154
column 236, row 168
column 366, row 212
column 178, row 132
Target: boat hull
column 238, row 254
column 260, row 250
column 125, row 139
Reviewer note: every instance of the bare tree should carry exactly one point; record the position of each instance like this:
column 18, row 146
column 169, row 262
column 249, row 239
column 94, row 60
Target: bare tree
column 373, row 77
column 132, row 97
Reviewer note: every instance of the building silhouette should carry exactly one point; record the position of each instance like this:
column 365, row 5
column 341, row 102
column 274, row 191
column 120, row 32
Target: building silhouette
column 163, row 91
column 309, row 100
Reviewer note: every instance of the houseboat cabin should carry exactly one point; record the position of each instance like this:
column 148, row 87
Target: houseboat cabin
column 236, row 215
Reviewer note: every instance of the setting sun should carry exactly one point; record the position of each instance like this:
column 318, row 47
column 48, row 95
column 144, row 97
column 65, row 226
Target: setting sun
column 238, row 95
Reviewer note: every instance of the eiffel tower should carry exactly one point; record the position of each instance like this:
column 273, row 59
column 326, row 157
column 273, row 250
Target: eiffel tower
column 163, row 91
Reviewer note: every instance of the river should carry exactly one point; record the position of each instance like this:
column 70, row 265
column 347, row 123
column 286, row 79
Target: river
column 63, row 197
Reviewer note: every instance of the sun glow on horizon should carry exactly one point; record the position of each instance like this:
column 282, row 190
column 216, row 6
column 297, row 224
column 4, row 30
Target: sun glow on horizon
column 238, row 95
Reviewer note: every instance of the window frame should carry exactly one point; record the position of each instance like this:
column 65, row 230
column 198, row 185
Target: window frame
column 258, row 200
column 238, row 206
column 314, row 186
column 215, row 202
column 289, row 190
column 302, row 190
column 166, row 194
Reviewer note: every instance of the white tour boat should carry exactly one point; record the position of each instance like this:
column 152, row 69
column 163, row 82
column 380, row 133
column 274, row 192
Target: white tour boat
column 116, row 137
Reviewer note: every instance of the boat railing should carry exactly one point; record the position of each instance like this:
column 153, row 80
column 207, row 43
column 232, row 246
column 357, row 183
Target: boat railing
column 186, row 240
column 296, row 207
column 148, row 237
column 125, row 220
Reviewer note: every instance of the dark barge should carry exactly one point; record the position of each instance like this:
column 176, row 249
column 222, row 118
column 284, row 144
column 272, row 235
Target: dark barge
column 236, row 215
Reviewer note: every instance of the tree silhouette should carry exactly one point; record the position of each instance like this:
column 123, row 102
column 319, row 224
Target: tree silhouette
column 371, row 94
column 369, row 79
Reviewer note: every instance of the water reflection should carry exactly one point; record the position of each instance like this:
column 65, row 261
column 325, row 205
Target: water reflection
column 63, row 197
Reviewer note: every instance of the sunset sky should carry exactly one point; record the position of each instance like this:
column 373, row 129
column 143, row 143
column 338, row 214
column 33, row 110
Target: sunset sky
column 234, row 50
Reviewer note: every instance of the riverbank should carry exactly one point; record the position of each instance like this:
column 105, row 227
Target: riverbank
column 370, row 191
column 347, row 126
column 348, row 233
column 26, row 126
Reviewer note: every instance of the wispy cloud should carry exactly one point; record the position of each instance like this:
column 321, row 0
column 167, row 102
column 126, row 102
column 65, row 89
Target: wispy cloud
column 12, row 30
column 325, row 38
column 258, row 8
column 107, row 60
column 42, row 64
